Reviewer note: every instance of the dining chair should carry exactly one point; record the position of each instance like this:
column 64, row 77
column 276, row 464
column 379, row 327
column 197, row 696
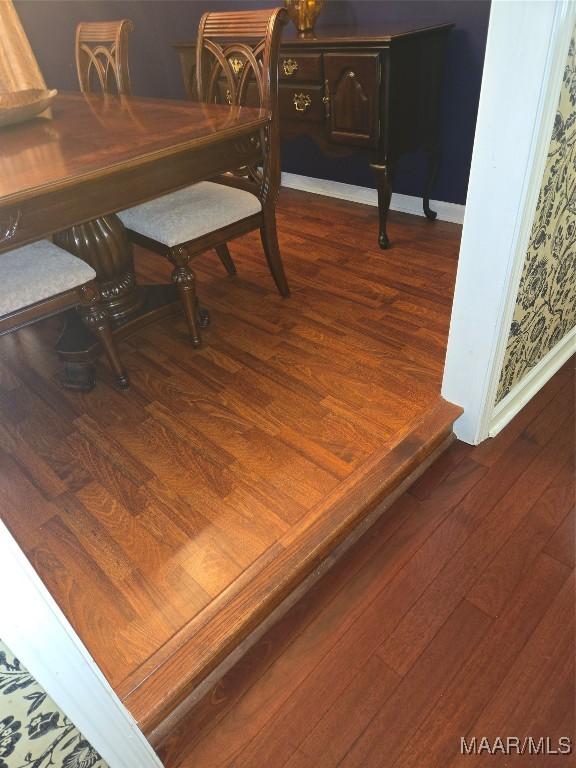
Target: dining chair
column 102, row 56
column 40, row 280
column 236, row 63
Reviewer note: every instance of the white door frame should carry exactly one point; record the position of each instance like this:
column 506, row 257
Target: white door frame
column 525, row 55
column 38, row 633
column 526, row 40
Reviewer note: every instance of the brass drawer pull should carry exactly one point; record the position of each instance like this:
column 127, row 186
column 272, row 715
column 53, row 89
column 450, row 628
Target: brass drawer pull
column 301, row 102
column 289, row 66
column 7, row 231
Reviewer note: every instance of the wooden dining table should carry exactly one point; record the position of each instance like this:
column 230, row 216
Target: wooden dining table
column 67, row 173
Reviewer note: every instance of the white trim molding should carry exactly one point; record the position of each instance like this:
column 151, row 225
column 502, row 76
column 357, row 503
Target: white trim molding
column 518, row 101
column 403, row 203
column 527, row 387
column 38, row 633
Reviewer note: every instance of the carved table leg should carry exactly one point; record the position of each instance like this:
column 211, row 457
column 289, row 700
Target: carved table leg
column 96, row 318
column 383, row 173
column 434, row 165
column 81, row 375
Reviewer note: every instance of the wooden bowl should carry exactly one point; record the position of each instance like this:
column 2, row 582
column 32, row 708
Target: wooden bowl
column 19, row 106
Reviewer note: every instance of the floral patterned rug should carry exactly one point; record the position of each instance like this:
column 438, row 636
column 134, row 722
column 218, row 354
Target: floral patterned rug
column 34, row 732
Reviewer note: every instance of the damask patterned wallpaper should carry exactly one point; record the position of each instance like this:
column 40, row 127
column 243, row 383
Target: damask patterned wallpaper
column 34, row 733
column 546, row 302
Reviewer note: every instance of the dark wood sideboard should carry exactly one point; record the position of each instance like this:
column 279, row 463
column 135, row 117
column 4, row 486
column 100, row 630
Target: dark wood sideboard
column 374, row 90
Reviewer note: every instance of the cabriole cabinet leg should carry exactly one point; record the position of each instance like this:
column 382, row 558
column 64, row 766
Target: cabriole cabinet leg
column 383, row 173
column 433, row 167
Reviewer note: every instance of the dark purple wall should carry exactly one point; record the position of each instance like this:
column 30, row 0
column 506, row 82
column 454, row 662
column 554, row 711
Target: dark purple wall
column 50, row 26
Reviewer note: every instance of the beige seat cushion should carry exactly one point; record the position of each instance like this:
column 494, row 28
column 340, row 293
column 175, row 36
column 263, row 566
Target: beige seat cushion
column 38, row 271
column 182, row 216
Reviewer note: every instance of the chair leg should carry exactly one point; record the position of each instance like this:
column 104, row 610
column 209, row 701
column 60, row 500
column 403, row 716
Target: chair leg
column 226, row 259
column 96, row 318
column 185, row 280
column 269, row 237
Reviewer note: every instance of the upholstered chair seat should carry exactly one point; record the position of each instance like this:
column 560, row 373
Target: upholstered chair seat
column 36, row 272
column 41, row 280
column 190, row 213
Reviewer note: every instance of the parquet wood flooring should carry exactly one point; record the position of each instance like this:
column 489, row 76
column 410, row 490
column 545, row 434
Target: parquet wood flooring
column 169, row 520
column 453, row 616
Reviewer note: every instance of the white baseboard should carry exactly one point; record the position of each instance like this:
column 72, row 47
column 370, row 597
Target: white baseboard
column 404, row 203
column 517, row 398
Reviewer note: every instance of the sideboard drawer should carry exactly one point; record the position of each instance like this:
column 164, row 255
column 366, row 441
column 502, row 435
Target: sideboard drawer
column 300, row 67
column 302, row 102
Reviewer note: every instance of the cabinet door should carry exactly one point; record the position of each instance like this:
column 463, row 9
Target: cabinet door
column 353, row 85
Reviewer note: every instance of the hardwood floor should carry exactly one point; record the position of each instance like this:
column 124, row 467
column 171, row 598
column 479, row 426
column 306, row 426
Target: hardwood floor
column 452, row 617
column 168, row 520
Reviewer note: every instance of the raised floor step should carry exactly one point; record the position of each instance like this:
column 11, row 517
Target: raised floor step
column 164, row 686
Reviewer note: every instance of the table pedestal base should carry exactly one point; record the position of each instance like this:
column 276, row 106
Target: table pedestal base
column 104, row 245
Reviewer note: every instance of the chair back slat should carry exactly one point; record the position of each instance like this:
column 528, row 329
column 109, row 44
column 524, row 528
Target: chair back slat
column 237, row 55
column 240, row 24
column 237, row 64
column 102, row 56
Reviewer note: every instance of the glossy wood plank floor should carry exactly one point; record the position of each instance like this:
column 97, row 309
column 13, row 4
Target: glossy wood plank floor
column 142, row 510
column 452, row 617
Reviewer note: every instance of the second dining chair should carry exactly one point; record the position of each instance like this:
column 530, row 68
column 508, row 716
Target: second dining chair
column 102, row 56
column 237, row 58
